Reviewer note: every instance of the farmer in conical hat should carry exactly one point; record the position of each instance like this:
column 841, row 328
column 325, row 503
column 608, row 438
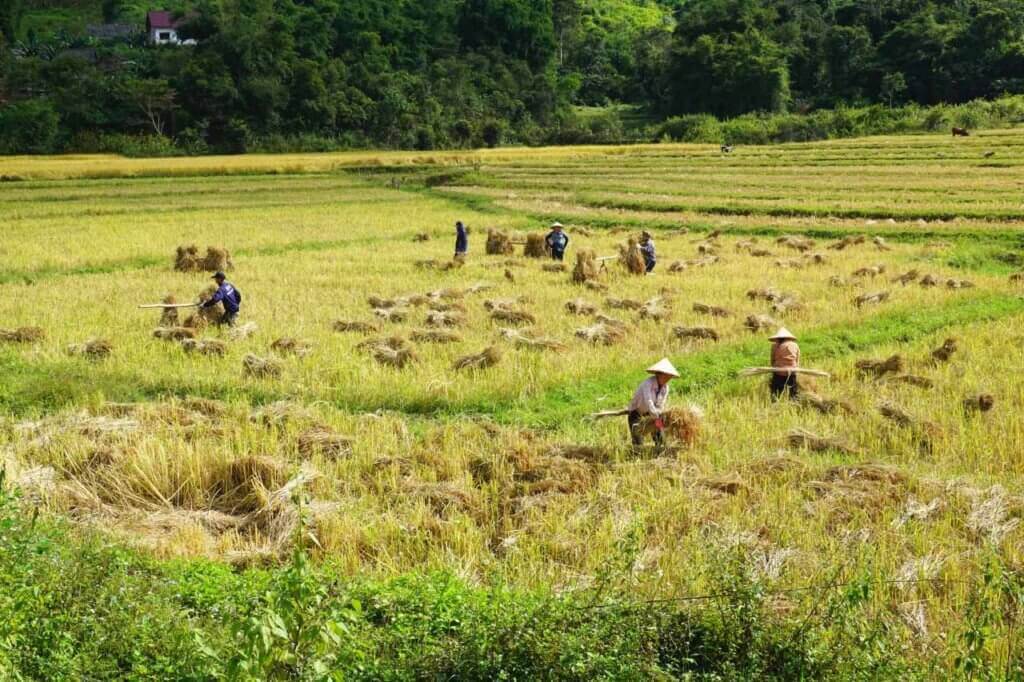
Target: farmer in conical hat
column 557, row 241
column 228, row 295
column 650, row 400
column 785, row 355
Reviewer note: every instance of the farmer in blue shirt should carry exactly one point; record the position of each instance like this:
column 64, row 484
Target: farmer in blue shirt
column 556, row 241
column 461, row 240
column 647, row 249
column 229, row 296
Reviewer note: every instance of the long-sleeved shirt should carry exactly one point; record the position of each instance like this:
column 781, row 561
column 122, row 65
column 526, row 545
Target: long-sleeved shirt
column 650, row 398
column 785, row 354
column 557, row 241
column 228, row 295
column 461, row 240
column 647, row 249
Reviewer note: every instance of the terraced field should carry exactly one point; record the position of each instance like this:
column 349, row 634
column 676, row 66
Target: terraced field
column 496, row 474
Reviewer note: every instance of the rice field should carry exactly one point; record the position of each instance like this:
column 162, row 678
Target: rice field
column 873, row 248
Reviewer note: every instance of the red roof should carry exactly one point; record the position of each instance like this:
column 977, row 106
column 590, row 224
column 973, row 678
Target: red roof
column 158, row 20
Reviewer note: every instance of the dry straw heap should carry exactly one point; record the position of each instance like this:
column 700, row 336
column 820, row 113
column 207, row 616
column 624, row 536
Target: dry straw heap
column 93, row 349
column 632, row 258
column 187, row 259
column 488, row 357
column 261, row 368
column 586, row 269
column 22, row 335
column 535, row 246
column 498, row 243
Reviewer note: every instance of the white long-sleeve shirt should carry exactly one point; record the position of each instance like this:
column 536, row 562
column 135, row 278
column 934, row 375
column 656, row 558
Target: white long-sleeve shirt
column 650, row 398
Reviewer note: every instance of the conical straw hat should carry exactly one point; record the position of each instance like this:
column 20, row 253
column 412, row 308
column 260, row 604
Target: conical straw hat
column 556, row 224
column 782, row 334
column 663, row 366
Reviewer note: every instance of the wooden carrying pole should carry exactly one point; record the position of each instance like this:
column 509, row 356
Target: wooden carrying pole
column 756, row 371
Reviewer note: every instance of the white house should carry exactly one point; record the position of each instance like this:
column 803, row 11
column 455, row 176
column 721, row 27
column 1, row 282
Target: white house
column 163, row 29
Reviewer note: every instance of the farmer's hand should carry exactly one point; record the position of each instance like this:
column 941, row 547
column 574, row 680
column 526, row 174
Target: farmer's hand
column 659, row 424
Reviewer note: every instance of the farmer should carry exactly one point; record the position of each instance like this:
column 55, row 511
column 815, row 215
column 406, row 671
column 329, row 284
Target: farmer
column 785, row 355
column 229, row 296
column 650, row 400
column 461, row 240
column 556, row 241
column 647, row 249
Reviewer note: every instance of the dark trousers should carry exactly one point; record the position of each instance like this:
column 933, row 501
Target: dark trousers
column 558, row 254
column 650, row 264
column 634, row 430
column 228, row 318
column 783, row 383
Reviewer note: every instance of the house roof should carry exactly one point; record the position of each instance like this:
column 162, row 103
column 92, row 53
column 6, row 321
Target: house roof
column 159, row 19
column 108, row 31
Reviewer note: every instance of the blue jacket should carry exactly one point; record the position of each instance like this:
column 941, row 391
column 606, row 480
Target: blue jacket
column 228, row 295
column 648, row 251
column 461, row 240
column 557, row 241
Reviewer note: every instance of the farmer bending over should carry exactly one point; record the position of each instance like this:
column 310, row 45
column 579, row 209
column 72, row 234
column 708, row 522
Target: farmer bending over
column 229, row 296
column 647, row 249
column 461, row 240
column 556, row 241
column 650, row 400
column 785, row 355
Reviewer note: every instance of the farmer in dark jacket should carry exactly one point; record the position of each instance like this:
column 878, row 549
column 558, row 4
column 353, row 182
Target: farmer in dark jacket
column 228, row 295
column 647, row 249
column 556, row 241
column 461, row 240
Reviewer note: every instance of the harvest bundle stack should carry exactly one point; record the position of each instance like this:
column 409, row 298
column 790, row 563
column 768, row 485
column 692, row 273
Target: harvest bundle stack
column 580, row 306
column 435, row 336
column 631, row 257
column 498, row 243
column 656, row 309
column 891, row 365
column 529, row 341
column 323, row 441
column 187, row 259
column 93, row 349
column 701, row 333
column 488, row 357
column 261, row 368
column 393, row 351
column 288, row 345
column 586, row 267
column 944, row 352
column 682, row 425
column 606, row 332
column 756, row 323
column 212, row 347
column 535, row 246
column 204, row 316
column 169, row 316
column 174, row 333
column 355, row 326
column 22, row 335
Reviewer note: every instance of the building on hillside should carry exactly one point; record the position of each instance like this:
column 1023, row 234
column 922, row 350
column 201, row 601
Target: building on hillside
column 112, row 31
column 162, row 29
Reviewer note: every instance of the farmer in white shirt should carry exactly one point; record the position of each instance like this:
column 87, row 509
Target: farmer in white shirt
column 650, row 400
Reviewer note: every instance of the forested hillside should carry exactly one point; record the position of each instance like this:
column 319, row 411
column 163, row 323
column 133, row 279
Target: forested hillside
column 320, row 74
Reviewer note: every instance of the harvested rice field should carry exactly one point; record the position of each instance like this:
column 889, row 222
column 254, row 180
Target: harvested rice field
column 415, row 414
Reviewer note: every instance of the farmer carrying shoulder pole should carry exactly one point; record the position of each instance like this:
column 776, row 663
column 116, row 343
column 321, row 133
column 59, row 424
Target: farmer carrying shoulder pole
column 650, row 400
column 785, row 355
column 461, row 240
column 228, row 295
column 557, row 241
column 647, row 249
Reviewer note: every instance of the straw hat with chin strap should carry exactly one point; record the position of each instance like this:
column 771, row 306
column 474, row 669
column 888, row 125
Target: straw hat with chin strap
column 782, row 335
column 663, row 366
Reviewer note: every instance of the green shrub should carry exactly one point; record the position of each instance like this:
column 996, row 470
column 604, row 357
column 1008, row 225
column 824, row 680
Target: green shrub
column 28, row 127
